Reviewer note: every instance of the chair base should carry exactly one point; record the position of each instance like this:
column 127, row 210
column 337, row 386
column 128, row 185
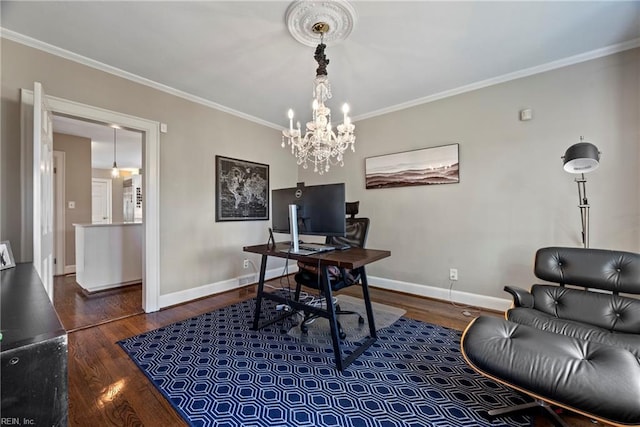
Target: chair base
column 304, row 328
column 539, row 405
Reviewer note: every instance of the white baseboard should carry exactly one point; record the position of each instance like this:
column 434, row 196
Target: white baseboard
column 111, row 286
column 218, row 287
column 459, row 297
column 69, row 269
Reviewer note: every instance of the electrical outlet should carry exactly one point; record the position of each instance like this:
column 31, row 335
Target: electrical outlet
column 453, row 274
column 245, row 263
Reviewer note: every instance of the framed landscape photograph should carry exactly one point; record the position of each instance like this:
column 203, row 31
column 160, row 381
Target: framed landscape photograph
column 242, row 190
column 6, row 256
column 435, row 165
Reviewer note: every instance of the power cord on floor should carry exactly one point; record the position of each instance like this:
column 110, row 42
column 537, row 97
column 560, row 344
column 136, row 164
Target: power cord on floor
column 317, row 300
column 467, row 310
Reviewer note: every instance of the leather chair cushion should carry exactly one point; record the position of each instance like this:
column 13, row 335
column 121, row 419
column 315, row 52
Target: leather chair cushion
column 599, row 379
column 549, row 323
column 617, row 271
column 604, row 310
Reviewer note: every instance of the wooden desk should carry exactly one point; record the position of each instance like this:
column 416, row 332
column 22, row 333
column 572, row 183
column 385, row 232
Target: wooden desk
column 350, row 258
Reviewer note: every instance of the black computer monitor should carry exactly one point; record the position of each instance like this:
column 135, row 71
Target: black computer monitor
column 320, row 209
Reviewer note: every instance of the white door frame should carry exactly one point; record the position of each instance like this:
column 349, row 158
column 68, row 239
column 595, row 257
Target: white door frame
column 109, row 196
column 150, row 187
column 59, row 248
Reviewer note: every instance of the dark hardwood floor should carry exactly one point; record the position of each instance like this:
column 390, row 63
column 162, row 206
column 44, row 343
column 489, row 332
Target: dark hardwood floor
column 77, row 309
column 107, row 389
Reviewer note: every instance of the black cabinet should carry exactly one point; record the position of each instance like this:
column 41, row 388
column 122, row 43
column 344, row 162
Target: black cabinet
column 33, row 353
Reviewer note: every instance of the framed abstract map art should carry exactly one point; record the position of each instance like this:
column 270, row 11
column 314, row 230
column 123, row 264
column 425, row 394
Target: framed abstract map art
column 242, row 190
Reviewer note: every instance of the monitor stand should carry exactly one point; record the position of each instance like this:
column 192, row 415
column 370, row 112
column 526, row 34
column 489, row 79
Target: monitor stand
column 293, row 228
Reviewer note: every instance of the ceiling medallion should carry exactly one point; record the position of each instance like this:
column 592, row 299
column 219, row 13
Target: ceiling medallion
column 339, row 15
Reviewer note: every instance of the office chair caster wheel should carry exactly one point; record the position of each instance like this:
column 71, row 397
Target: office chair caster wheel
column 360, row 320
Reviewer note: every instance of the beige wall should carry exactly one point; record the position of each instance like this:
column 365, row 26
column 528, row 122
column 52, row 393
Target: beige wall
column 77, row 186
column 194, row 249
column 513, row 196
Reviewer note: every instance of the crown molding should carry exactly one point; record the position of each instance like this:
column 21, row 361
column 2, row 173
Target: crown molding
column 576, row 59
column 565, row 62
column 63, row 53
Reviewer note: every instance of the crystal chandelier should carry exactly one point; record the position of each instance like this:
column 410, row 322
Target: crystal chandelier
column 321, row 144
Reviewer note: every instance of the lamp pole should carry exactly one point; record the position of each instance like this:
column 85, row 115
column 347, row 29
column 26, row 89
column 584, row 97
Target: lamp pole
column 583, row 204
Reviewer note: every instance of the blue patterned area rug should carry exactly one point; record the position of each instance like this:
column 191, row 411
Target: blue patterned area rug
column 215, row 371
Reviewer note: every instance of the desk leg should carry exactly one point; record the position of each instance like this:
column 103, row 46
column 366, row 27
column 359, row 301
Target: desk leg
column 367, row 300
column 333, row 321
column 263, row 269
column 373, row 336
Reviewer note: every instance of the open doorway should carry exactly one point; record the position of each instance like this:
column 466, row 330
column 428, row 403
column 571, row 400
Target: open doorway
column 30, row 242
column 107, row 284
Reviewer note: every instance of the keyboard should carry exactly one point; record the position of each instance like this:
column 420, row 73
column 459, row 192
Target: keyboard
column 309, row 248
column 342, row 247
column 300, row 251
column 317, row 247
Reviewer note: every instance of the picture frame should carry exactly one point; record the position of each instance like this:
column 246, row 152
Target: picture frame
column 6, row 256
column 426, row 166
column 242, row 190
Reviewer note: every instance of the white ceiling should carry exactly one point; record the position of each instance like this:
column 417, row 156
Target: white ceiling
column 239, row 56
column 128, row 149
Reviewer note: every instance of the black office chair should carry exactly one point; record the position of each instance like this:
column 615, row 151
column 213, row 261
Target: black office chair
column 340, row 278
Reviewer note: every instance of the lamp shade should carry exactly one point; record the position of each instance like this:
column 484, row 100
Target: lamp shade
column 582, row 157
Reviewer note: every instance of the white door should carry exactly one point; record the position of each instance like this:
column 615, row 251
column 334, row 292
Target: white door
column 59, row 214
column 100, row 201
column 43, row 189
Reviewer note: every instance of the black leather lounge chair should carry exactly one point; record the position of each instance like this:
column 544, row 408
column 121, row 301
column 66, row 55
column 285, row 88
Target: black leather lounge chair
column 574, row 344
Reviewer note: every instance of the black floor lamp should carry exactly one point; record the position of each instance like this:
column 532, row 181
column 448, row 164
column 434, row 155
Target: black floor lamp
column 582, row 158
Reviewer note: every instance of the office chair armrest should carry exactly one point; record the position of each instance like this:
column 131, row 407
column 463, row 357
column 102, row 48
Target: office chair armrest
column 521, row 298
column 334, row 272
column 350, row 277
column 311, row 268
